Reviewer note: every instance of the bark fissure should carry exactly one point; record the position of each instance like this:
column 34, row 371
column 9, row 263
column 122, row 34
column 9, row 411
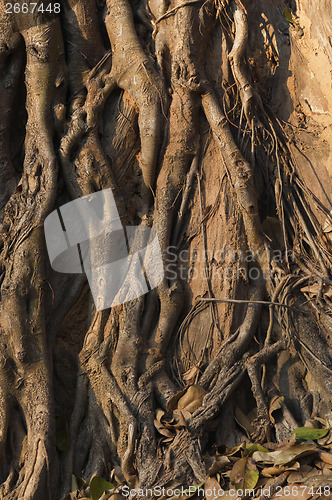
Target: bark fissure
column 145, row 98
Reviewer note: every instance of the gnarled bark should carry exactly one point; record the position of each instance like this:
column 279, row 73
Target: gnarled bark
column 174, row 106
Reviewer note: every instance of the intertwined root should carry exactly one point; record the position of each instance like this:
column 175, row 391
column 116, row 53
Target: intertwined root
column 125, row 365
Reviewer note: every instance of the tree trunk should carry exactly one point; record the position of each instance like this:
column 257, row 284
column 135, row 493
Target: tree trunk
column 210, row 122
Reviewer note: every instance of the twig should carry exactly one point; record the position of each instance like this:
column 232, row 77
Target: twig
column 175, row 9
column 263, row 302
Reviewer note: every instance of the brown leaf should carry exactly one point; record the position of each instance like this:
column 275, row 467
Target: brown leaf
column 281, row 457
column 312, row 290
column 236, row 449
column 170, row 421
column 325, row 456
column 327, row 226
column 220, row 463
column 304, row 473
column 244, row 474
column 181, row 417
column 276, row 404
column 276, row 471
column 243, row 421
column 162, row 429
column 211, row 484
column 159, row 414
column 192, row 399
column 173, row 402
column 190, row 375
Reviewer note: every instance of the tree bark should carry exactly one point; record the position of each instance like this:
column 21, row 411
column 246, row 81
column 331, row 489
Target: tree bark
column 210, row 122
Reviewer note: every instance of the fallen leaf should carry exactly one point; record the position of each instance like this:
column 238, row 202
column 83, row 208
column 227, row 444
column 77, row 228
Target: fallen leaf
column 243, row 421
column 180, row 418
column 244, row 474
column 220, row 463
column 309, row 433
column 236, row 449
column 210, row 485
column 77, row 483
column 98, row 486
column 192, row 399
column 252, row 447
column 282, row 457
column 276, row 404
column 304, row 473
column 165, row 418
column 163, row 430
column 327, row 226
column 190, row 375
column 159, row 414
column 276, row 471
column 173, row 401
column 325, row 456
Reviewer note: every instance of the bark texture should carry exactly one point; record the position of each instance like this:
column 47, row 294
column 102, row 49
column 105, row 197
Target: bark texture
column 211, row 123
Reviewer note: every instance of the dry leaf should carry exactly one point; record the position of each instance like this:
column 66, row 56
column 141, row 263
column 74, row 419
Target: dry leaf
column 275, row 405
column 159, row 414
column 219, row 464
column 192, row 399
column 312, row 290
column 305, row 472
column 211, row 484
column 281, row 457
column 162, row 429
column 243, row 421
column 244, row 474
column 325, row 456
column 173, row 401
column 190, row 375
column 181, row 417
column 276, row 471
column 327, row 226
column 236, row 449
